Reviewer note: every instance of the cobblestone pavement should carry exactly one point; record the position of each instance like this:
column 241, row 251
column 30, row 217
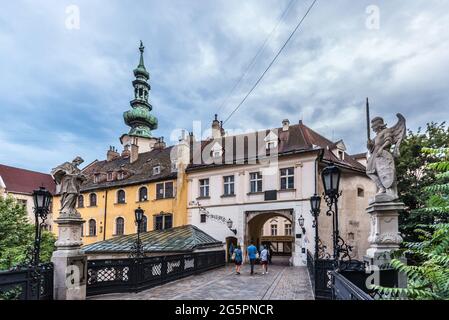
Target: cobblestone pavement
column 281, row 283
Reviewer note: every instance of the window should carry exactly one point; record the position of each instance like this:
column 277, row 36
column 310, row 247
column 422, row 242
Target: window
column 228, row 185
column 92, row 227
column 156, row 170
column 340, row 155
column 204, row 188
column 143, row 194
column 288, row 229
column 96, row 178
column 163, row 221
column 80, row 201
column 119, row 226
column 109, row 176
column 120, row 175
column 174, row 167
column 360, row 192
column 121, row 196
column 93, row 200
column 274, row 229
column 203, row 218
column 271, row 145
column 164, row 190
column 144, row 224
column 255, row 180
column 287, row 178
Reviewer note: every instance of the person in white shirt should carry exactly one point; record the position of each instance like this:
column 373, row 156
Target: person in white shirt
column 264, row 260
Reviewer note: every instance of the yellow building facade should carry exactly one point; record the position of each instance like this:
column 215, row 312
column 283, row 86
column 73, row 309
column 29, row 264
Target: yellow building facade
column 107, row 211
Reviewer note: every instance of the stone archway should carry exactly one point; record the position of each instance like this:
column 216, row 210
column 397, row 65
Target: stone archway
column 255, row 220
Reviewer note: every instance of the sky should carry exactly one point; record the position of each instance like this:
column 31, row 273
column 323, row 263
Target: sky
column 66, row 69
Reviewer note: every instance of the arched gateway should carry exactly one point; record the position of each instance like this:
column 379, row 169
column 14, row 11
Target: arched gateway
column 255, row 221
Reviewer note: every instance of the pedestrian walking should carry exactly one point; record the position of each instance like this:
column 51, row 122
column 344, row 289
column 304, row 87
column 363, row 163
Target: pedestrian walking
column 264, row 260
column 252, row 254
column 238, row 259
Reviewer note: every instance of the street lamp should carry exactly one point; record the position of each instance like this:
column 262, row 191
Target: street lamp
column 137, row 249
column 229, row 223
column 331, row 182
column 315, row 203
column 42, row 199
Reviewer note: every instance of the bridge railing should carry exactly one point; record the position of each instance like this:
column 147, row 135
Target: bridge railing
column 27, row 283
column 133, row 275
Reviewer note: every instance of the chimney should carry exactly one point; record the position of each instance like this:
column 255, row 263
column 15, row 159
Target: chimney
column 126, row 153
column 285, row 125
column 112, row 154
column 134, row 153
column 216, row 128
column 160, row 144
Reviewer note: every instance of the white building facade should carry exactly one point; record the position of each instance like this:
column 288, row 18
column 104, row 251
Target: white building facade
column 250, row 194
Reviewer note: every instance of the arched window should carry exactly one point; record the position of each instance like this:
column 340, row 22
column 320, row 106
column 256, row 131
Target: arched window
column 144, row 224
column 92, row 199
column 143, row 194
column 92, row 227
column 121, row 196
column 119, row 226
column 80, row 201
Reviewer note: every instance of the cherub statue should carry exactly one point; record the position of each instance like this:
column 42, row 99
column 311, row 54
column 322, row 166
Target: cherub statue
column 70, row 178
column 381, row 168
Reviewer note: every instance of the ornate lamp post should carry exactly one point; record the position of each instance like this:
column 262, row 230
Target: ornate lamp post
column 229, row 223
column 137, row 249
column 331, row 182
column 315, row 203
column 42, row 199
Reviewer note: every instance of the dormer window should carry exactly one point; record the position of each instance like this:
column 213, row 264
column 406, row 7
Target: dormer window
column 341, row 155
column 271, row 141
column 120, row 175
column 271, row 145
column 109, row 176
column 96, row 178
column 156, row 170
column 217, row 150
column 174, row 167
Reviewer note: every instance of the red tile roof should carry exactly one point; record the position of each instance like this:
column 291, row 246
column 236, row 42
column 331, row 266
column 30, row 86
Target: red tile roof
column 25, row 181
column 298, row 138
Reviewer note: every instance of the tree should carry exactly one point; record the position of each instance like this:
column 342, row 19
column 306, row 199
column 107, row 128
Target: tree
column 429, row 278
column 414, row 175
column 17, row 235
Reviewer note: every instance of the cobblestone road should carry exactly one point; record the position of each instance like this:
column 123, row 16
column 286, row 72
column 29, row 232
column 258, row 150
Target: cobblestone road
column 281, row 283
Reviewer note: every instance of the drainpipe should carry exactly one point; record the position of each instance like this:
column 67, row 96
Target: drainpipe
column 105, row 213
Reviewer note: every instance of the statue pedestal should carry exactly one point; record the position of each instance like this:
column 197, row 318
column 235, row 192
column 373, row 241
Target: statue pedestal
column 70, row 264
column 384, row 236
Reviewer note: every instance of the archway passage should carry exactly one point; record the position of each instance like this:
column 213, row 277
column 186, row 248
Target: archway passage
column 273, row 229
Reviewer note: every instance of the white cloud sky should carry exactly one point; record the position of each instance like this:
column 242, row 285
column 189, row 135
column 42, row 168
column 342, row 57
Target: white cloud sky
column 63, row 92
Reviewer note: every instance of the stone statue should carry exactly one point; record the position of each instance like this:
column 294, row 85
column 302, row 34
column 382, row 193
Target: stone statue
column 381, row 168
column 70, row 178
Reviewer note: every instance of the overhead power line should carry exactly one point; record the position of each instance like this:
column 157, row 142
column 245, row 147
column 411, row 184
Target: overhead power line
column 254, row 59
column 272, row 62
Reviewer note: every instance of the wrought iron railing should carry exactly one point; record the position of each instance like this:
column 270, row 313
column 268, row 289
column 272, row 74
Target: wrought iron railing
column 133, row 275
column 344, row 289
column 27, row 283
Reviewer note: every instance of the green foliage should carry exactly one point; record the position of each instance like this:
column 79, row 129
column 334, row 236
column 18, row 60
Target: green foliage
column 429, row 278
column 17, row 235
column 422, row 161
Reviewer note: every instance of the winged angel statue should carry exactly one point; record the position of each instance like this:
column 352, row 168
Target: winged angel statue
column 381, row 168
column 70, row 178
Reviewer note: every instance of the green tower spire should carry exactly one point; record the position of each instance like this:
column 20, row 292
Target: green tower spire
column 139, row 118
